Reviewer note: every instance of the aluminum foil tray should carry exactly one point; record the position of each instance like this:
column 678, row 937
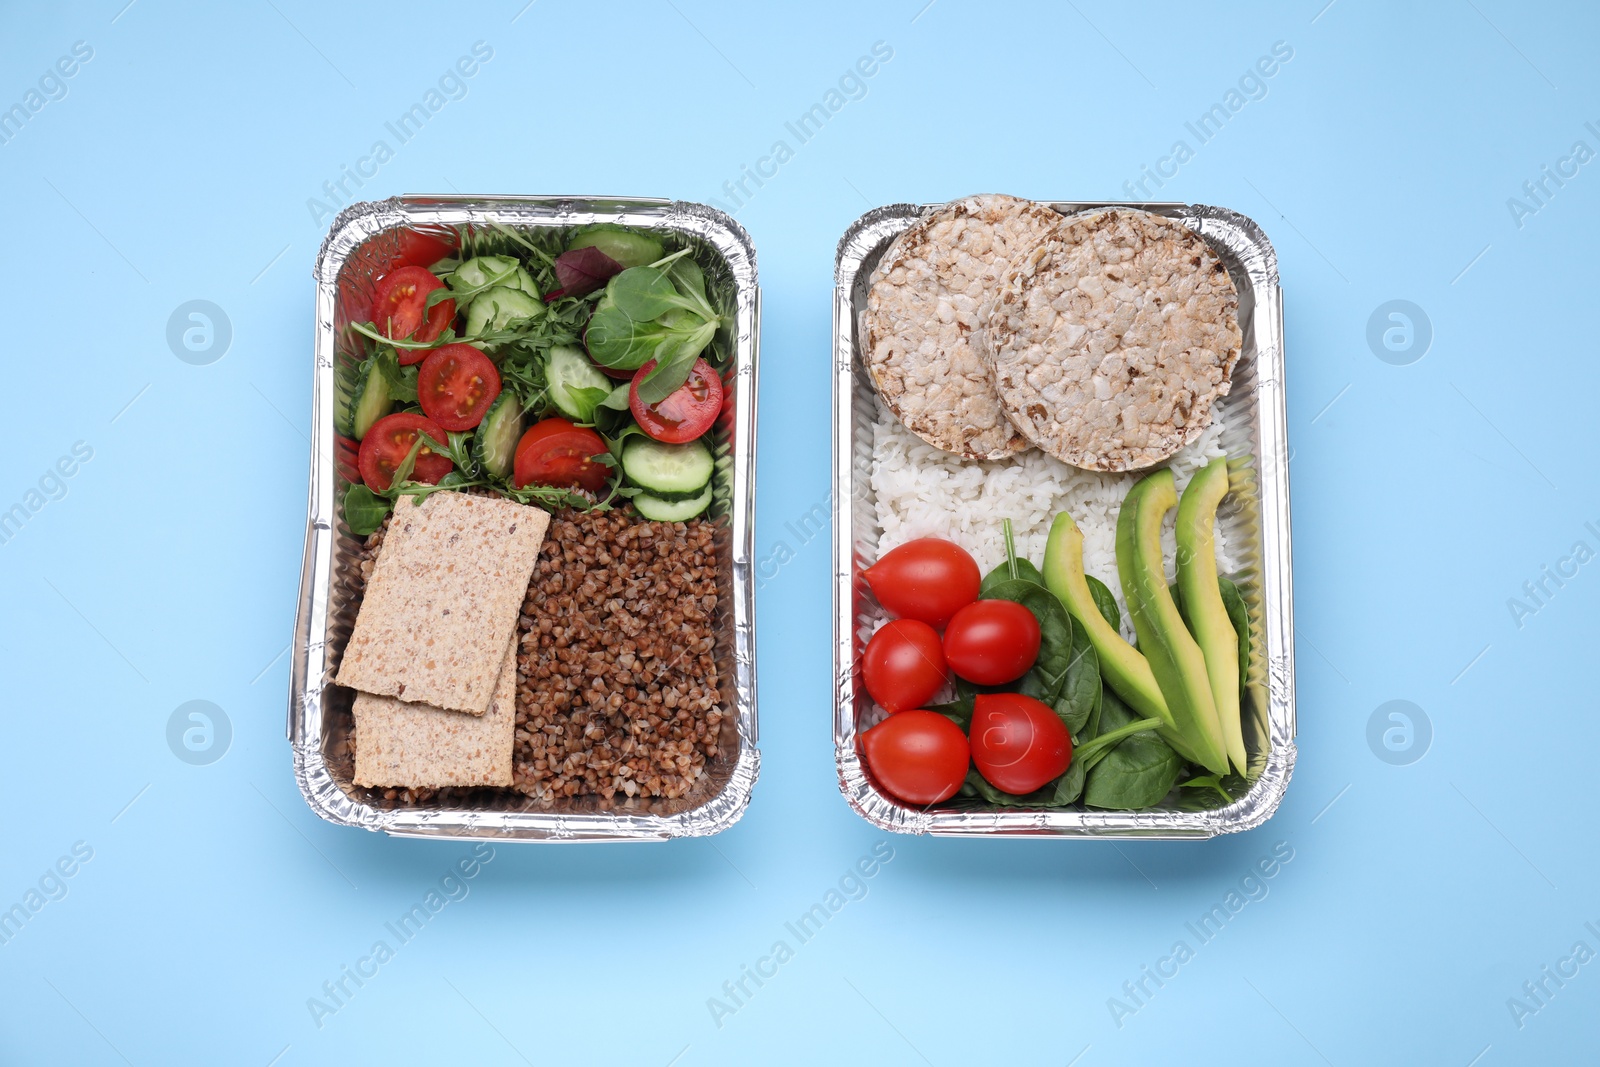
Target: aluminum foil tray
column 360, row 246
column 1257, row 526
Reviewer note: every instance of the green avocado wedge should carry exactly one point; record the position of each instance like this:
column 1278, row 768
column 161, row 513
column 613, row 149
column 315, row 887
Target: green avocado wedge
column 1174, row 657
column 1202, row 599
column 1124, row 669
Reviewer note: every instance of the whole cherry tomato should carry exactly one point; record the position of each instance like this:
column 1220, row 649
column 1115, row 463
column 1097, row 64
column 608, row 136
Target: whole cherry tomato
column 919, row 757
column 992, row 642
column 1018, row 743
column 928, row 579
column 904, row 664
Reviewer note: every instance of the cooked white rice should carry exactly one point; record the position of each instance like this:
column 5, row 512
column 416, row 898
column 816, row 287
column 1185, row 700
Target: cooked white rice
column 922, row 491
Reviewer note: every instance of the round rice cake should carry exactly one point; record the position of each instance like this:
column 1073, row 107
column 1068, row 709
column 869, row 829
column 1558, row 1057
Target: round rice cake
column 923, row 328
column 1113, row 337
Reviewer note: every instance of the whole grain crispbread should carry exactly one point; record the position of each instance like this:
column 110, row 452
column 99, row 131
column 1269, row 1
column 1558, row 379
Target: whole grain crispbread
column 443, row 600
column 922, row 331
column 419, row 746
column 1112, row 338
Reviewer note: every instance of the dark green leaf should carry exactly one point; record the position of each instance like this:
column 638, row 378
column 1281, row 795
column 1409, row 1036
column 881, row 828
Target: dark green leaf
column 1106, row 601
column 958, row 711
column 363, row 510
column 1057, row 794
column 1137, row 773
column 1026, row 572
column 1239, row 615
column 1080, row 694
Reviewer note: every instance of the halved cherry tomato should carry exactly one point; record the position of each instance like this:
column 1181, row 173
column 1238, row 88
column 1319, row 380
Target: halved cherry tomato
column 424, row 249
column 928, row 579
column 903, row 665
column 686, row 413
column 455, row 386
column 389, row 441
column 1018, row 743
column 920, row 757
column 555, row 452
column 347, row 457
column 399, row 305
column 992, row 642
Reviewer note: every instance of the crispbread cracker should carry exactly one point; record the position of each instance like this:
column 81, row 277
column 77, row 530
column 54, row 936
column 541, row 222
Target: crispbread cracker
column 1111, row 339
column 418, row 746
column 443, row 600
column 922, row 332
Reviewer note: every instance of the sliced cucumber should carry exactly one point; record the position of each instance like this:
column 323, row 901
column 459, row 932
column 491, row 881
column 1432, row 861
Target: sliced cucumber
column 657, row 510
column 371, row 401
column 346, row 380
column 667, row 471
column 494, row 445
column 479, row 271
column 628, row 247
column 500, row 307
column 570, row 376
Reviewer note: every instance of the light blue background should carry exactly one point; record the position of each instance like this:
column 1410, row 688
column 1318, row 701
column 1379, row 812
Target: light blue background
column 1380, row 162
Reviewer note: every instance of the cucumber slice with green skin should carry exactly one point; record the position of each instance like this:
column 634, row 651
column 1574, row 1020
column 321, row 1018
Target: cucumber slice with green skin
column 664, row 470
column 657, row 510
column 497, row 308
column 479, row 271
column 627, row 247
column 371, row 401
column 494, row 443
column 569, row 374
column 345, row 383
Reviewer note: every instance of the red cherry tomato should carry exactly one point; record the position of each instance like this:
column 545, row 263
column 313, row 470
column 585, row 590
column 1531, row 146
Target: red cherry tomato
column 420, row 248
column 389, row 441
column 555, row 452
column 992, row 642
column 928, row 579
column 455, row 386
column 903, row 665
column 919, row 757
column 400, row 304
column 685, row 414
column 1018, row 742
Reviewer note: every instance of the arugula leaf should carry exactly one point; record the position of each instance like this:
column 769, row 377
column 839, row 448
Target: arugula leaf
column 401, row 381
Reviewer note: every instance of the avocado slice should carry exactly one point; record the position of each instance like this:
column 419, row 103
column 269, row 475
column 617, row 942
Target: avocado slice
column 1175, row 659
column 1202, row 600
column 1125, row 670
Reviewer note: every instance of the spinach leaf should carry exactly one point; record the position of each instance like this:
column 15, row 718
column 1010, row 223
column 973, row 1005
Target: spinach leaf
column 958, row 711
column 1056, row 794
column 1045, row 680
column 1026, row 572
column 1137, row 773
column 364, row 510
column 1105, row 600
column 1239, row 615
column 1080, row 696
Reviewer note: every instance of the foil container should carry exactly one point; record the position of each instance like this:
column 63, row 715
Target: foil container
column 362, row 243
column 1256, row 521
